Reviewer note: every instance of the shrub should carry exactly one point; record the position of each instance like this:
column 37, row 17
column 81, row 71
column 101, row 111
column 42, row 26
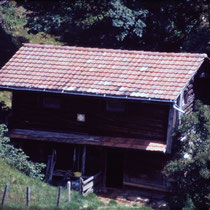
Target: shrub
column 112, row 203
column 17, row 158
column 189, row 169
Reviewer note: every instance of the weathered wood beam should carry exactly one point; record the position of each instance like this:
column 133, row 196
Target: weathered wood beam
column 104, row 157
column 151, row 144
column 52, row 165
column 83, row 159
column 150, row 187
column 78, row 158
column 74, row 157
column 170, row 129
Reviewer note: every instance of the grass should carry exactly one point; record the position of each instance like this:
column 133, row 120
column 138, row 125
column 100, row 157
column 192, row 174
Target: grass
column 118, row 207
column 5, row 97
column 44, row 196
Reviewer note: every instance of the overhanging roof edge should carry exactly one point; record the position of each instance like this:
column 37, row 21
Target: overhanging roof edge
column 87, row 94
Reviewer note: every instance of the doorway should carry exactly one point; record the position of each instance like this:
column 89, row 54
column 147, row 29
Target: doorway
column 115, row 163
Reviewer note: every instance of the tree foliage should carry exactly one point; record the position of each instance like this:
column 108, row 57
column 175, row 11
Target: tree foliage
column 176, row 25
column 13, row 30
column 126, row 20
column 189, row 169
column 17, row 158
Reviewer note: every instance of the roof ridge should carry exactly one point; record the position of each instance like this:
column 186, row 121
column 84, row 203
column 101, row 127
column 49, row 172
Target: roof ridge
column 154, row 53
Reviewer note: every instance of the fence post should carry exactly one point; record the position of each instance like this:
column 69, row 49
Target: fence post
column 81, row 185
column 59, row 196
column 5, row 194
column 68, row 191
column 28, row 196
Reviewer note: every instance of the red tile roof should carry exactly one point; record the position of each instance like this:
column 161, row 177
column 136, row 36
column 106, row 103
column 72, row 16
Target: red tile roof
column 141, row 74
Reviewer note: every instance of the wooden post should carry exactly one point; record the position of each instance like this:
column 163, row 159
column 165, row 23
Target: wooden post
column 78, row 158
column 83, row 160
column 80, row 185
column 59, row 196
column 28, row 196
column 104, row 170
column 74, row 157
column 52, row 165
column 5, row 194
column 68, row 191
column 48, row 167
column 170, row 129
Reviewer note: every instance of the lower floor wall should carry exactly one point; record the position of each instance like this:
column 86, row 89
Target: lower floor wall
column 120, row 167
column 143, row 168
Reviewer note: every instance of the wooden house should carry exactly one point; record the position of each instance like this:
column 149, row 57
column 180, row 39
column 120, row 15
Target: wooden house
column 104, row 110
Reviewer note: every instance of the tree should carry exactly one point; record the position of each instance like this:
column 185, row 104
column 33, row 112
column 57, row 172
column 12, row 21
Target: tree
column 13, row 30
column 106, row 23
column 176, row 25
column 189, row 168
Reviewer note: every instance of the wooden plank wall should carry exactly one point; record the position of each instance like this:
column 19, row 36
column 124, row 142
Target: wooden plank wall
column 188, row 98
column 142, row 120
column 198, row 88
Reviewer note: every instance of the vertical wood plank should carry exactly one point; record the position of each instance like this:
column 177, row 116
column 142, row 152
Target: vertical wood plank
column 74, row 158
column 170, row 129
column 83, row 159
column 52, row 165
column 104, row 170
column 68, row 191
column 5, row 194
column 48, row 167
column 78, row 158
column 81, row 185
column 181, row 102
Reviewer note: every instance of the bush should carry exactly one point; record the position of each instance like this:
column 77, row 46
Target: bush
column 189, row 169
column 17, row 158
column 112, row 203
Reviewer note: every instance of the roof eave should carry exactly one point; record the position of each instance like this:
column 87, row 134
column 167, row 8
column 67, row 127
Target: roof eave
column 205, row 58
column 9, row 88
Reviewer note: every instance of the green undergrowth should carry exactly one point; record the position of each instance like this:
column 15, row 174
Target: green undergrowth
column 43, row 195
column 14, row 22
column 120, row 207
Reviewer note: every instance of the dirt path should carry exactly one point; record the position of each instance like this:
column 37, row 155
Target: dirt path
column 130, row 198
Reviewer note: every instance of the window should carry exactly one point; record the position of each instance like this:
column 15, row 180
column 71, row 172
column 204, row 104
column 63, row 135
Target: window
column 51, row 102
column 115, row 106
column 81, row 117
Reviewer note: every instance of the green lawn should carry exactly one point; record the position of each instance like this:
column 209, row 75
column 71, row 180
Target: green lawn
column 5, row 96
column 44, row 196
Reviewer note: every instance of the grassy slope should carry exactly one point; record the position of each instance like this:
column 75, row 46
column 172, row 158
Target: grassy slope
column 44, row 196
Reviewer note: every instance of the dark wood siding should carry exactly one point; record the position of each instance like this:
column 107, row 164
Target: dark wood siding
column 141, row 120
column 188, row 98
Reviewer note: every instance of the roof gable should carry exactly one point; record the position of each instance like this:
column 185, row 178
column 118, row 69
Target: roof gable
column 139, row 74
